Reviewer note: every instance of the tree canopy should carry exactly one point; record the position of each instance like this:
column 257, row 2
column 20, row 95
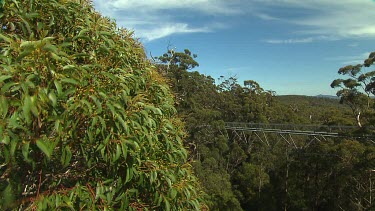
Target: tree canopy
column 255, row 171
column 355, row 91
column 86, row 120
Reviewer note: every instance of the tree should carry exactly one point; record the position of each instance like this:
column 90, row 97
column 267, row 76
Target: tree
column 87, row 122
column 177, row 60
column 356, row 90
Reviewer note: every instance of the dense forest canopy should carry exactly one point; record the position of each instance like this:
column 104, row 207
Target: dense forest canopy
column 89, row 122
column 240, row 172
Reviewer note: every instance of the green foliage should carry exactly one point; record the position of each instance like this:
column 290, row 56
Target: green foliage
column 313, row 110
column 355, row 91
column 246, row 171
column 87, row 122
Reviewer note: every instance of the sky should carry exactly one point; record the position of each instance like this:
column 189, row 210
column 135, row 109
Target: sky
column 287, row 46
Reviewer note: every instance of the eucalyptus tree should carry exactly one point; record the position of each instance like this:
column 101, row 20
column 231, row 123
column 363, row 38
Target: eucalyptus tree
column 355, row 91
column 86, row 121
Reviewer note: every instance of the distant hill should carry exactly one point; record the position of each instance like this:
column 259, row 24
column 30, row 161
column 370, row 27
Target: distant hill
column 321, row 109
column 319, row 100
column 328, row 96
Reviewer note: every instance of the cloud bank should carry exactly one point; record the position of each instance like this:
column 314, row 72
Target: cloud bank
column 316, row 20
column 155, row 19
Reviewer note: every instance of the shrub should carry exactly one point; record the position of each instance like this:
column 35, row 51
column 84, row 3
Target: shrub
column 86, row 121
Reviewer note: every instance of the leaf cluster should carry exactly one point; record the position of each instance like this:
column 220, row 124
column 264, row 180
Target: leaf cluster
column 87, row 122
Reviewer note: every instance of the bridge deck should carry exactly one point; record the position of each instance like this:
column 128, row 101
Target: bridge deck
column 310, row 130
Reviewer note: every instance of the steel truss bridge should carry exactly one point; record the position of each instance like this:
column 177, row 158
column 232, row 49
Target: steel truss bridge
column 289, row 132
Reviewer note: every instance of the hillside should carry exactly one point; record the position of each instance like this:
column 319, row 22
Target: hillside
column 311, row 100
column 322, row 110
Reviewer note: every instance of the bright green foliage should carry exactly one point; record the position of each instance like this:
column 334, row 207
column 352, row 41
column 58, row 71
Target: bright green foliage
column 86, row 121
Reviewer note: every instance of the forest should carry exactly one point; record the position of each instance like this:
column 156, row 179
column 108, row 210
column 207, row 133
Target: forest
column 89, row 122
column 240, row 173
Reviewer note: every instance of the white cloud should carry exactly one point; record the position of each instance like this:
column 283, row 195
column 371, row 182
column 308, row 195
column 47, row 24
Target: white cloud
column 207, row 6
column 347, row 60
column 341, row 19
column 155, row 19
column 166, row 30
column 289, row 41
column 265, row 16
column 301, row 40
column 353, row 45
column 315, row 20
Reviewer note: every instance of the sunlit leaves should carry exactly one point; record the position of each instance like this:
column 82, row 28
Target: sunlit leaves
column 87, row 122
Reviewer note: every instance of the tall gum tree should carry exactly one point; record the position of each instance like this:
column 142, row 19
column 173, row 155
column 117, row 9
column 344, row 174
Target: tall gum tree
column 357, row 89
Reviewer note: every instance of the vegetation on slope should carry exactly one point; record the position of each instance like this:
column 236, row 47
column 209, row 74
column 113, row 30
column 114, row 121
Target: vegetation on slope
column 249, row 171
column 318, row 110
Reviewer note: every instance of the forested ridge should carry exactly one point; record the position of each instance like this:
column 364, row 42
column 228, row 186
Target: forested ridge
column 240, row 173
column 90, row 123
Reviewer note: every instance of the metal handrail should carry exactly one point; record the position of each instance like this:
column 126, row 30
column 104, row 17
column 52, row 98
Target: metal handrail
column 299, row 129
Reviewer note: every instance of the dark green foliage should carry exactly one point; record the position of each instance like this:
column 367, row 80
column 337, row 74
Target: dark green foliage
column 315, row 110
column 87, row 122
column 243, row 171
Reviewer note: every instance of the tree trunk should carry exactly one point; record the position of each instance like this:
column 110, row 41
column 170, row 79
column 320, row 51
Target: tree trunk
column 358, row 118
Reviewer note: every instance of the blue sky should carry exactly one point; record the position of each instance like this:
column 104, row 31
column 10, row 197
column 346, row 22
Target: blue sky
column 288, row 46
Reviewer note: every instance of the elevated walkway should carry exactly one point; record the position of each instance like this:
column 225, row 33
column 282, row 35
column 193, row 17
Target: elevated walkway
column 316, row 131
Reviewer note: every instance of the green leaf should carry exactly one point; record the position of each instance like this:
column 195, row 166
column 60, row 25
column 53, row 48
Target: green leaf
column 98, row 104
column 50, row 48
column 13, row 146
column 23, row 54
column 69, row 67
column 104, row 49
column 169, row 182
column 8, row 86
column 7, row 196
column 4, row 77
column 66, row 156
column 5, row 140
column 27, row 26
column 58, row 88
column 25, row 150
column 56, row 57
column 160, row 200
column 70, row 81
column 5, row 38
column 173, row 193
column 53, row 99
column 3, row 106
column 30, row 44
column 129, row 174
column 27, row 108
column 44, row 148
column 167, row 204
column 81, row 33
column 118, row 153
column 124, row 149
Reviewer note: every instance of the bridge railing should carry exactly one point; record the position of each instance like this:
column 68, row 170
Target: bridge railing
column 294, row 127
